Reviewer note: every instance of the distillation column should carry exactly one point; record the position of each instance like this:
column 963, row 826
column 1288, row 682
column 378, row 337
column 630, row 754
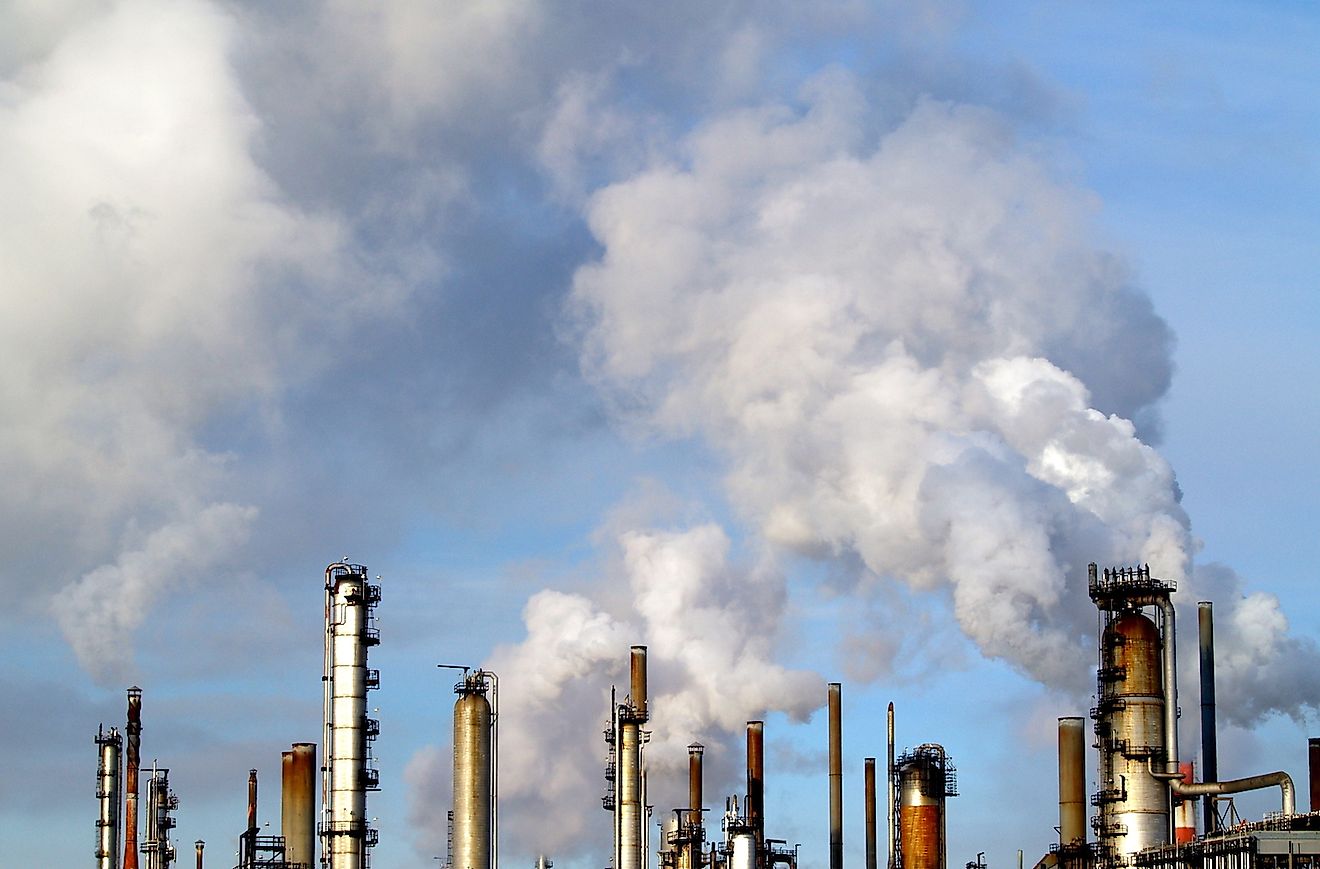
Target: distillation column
column 160, row 802
column 350, row 601
column 474, row 772
column 925, row 778
column 107, row 792
column 631, row 819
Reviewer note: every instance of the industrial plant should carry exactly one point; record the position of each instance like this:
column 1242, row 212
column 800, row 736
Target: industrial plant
column 1145, row 807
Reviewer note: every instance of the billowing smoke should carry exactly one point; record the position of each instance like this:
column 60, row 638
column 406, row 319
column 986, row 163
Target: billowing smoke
column 155, row 280
column 711, row 626
column 912, row 355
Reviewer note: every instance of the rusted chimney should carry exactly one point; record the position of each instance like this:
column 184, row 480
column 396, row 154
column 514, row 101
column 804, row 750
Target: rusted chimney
column 298, row 803
column 1072, row 781
column 132, row 762
column 638, row 680
column 869, row 766
column 1209, row 741
column 836, row 775
column 200, row 846
column 694, row 805
column 756, row 780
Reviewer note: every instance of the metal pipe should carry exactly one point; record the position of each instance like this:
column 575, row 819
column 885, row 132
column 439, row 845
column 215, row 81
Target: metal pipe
column 1184, row 811
column 298, row 804
column 1072, row 781
column 132, row 760
column 1281, row 780
column 1209, row 739
column 631, row 803
column 252, row 803
column 695, row 833
column 200, row 847
column 890, row 820
column 755, row 807
column 637, row 672
column 868, row 765
column 1313, row 757
column 107, row 792
column 835, row 690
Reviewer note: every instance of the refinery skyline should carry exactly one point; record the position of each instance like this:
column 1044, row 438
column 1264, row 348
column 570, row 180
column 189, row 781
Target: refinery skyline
column 799, row 347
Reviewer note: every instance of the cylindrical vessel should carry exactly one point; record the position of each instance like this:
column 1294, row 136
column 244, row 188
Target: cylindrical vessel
column 755, row 807
column 107, row 792
column 630, row 796
column 891, row 794
column 1209, row 739
column 252, row 802
column 637, row 681
column 868, row 765
column 133, row 742
column 922, row 785
column 1184, row 812
column 1134, row 806
column 346, row 775
column 1072, row 781
column 472, row 775
column 836, row 775
column 201, row 846
column 1313, row 764
column 742, row 851
column 695, row 832
column 298, row 803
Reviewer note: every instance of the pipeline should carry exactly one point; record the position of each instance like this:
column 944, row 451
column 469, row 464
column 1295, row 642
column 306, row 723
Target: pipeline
column 1281, row 780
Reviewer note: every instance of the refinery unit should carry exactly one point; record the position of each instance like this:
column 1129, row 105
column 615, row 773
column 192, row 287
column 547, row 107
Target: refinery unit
column 1145, row 805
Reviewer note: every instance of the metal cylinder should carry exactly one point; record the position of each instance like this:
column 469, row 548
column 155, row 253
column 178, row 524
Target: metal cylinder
column 695, row 751
column 742, row 851
column 132, row 761
column 1209, row 739
column 472, row 775
column 107, row 793
column 922, row 786
column 252, row 802
column 836, row 775
column 868, row 765
column 201, row 846
column 1313, row 764
column 755, row 807
column 631, row 829
column 298, row 802
column 1072, row 781
column 1130, row 721
column 347, row 775
column 637, row 686
column 891, row 795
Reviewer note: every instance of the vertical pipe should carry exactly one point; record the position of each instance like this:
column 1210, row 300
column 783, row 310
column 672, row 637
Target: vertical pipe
column 1184, row 811
column 869, row 768
column 695, row 834
column 890, row 821
column 134, row 731
column 298, row 804
column 1313, row 757
column 755, row 808
column 631, row 808
column 1209, row 740
column 1072, row 781
column 637, row 672
column 836, row 776
column 200, row 846
column 250, row 857
column 108, row 747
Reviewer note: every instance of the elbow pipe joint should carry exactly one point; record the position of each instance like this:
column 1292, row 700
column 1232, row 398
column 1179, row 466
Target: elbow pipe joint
column 1281, row 780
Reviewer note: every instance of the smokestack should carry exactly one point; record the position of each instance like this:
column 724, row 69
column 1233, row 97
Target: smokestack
column 638, row 681
column 1184, row 811
column 869, row 766
column 108, row 746
column 200, row 846
column 298, row 802
column 1313, row 752
column 134, row 731
column 836, row 776
column 695, row 833
column 755, row 808
column 252, row 802
column 1072, row 781
column 1209, row 740
column 890, row 820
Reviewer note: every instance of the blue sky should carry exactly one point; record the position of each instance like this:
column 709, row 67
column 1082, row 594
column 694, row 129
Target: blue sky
column 768, row 337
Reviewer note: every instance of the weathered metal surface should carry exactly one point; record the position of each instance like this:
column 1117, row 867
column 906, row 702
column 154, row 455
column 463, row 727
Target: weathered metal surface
column 1072, row 781
column 1205, row 619
column 923, row 784
column 755, row 807
column 472, row 777
column 631, row 819
column 637, row 681
column 108, row 747
column 298, row 803
column 868, row 777
column 133, row 732
column 835, row 691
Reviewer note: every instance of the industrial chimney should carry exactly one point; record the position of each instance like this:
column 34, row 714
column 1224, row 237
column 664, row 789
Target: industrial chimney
column 107, row 793
column 132, row 761
column 626, row 776
column 1072, row 782
column 350, row 602
column 868, row 779
column 475, row 764
column 298, row 803
column 754, row 807
column 926, row 777
column 836, row 774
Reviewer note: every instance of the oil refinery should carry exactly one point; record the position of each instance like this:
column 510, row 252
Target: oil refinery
column 1143, row 813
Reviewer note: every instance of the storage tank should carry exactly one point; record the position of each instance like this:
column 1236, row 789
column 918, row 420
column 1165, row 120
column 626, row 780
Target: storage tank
column 472, row 774
column 925, row 779
column 1134, row 806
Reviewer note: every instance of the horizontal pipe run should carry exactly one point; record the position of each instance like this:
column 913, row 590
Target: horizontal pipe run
column 1281, row 780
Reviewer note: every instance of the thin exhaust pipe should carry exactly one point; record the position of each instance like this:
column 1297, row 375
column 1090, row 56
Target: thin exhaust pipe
column 836, row 775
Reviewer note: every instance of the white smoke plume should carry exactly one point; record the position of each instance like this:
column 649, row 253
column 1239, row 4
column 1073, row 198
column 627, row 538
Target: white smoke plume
column 911, row 353
column 712, row 628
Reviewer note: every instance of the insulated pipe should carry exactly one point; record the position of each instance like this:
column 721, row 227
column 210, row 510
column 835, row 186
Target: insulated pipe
column 1072, row 781
column 755, row 807
column 836, row 775
column 134, row 731
column 1281, row 780
column 297, row 803
column 1313, row 756
column 890, row 822
column 1209, row 740
column 638, row 680
column 108, row 746
column 869, row 778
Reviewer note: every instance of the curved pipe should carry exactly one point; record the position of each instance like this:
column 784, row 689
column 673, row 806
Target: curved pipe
column 1281, row 780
